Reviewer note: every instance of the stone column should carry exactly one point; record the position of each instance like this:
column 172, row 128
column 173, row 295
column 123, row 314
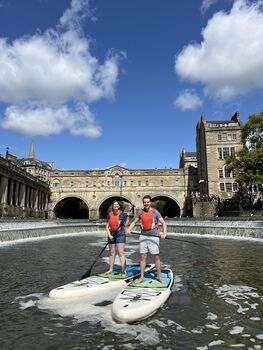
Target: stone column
column 22, row 195
column 11, row 191
column 3, row 189
column 35, row 199
column 16, row 197
column 46, row 202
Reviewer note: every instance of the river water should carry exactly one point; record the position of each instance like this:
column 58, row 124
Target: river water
column 217, row 299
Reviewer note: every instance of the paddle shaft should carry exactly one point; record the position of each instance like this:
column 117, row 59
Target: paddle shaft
column 88, row 273
column 175, row 239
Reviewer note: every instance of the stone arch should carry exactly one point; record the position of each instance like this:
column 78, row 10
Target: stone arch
column 106, row 202
column 71, row 207
column 167, row 206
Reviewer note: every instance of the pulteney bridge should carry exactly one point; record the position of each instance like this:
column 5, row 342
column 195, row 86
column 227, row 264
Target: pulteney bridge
column 89, row 193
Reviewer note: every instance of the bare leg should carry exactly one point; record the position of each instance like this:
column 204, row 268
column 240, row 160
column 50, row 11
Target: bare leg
column 121, row 253
column 143, row 262
column 157, row 261
column 112, row 254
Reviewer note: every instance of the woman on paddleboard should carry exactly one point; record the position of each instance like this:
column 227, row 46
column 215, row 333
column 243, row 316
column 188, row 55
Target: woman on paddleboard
column 149, row 237
column 115, row 226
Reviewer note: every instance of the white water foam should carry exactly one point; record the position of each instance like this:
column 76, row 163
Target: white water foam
column 84, row 309
column 236, row 330
column 34, row 239
column 238, row 295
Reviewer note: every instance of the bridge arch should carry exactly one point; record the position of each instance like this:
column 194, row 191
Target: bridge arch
column 106, row 203
column 71, row 207
column 167, row 206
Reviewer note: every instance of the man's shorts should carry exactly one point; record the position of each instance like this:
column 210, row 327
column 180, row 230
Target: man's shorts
column 149, row 244
column 118, row 237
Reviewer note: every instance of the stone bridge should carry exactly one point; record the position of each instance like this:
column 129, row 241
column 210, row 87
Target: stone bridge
column 89, row 193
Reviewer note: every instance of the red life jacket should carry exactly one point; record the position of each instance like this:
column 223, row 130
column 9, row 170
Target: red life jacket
column 114, row 221
column 147, row 220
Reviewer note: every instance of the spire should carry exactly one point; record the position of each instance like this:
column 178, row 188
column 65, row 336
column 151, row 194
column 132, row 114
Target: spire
column 32, row 150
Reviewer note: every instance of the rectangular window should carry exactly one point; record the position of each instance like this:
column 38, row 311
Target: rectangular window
column 234, row 137
column 219, row 153
column 147, row 183
column 224, row 137
column 131, row 183
column 125, row 183
column 108, row 183
column 227, row 172
column 220, row 173
column 229, row 137
column 229, row 187
column 219, row 137
column 235, row 187
column 232, row 151
column 225, row 152
column 161, row 182
column 222, row 187
column 139, row 183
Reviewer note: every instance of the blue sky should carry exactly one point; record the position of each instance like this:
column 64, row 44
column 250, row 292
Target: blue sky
column 104, row 82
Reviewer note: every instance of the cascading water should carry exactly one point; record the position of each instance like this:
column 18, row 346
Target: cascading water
column 14, row 230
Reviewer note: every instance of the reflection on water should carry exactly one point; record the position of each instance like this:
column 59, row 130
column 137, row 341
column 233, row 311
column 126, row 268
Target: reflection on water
column 217, row 299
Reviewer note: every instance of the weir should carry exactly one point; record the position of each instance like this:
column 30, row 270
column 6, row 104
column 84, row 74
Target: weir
column 10, row 231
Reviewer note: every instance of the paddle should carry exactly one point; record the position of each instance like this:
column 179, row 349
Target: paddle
column 176, row 239
column 88, row 273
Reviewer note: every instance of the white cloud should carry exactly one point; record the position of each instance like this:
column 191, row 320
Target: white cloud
column 43, row 120
column 206, row 4
column 56, row 72
column 229, row 60
column 188, row 100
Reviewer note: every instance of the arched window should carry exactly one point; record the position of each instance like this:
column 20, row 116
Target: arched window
column 116, row 180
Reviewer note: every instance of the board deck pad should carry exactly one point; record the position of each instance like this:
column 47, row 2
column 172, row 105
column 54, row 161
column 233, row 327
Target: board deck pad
column 151, row 281
column 138, row 301
column 97, row 283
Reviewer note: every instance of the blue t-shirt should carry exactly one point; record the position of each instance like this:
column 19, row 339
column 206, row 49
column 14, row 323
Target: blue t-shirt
column 156, row 217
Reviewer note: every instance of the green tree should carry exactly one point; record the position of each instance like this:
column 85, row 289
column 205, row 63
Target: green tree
column 247, row 164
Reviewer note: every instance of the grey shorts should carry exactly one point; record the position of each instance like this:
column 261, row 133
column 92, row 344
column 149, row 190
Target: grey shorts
column 149, row 244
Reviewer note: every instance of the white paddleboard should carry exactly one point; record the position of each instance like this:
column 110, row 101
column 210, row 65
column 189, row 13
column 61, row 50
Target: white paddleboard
column 141, row 300
column 97, row 283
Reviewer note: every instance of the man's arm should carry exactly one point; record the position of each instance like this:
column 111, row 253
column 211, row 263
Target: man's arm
column 132, row 225
column 164, row 233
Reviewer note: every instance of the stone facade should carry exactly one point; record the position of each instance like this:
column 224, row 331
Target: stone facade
column 92, row 191
column 21, row 194
column 215, row 140
column 98, row 188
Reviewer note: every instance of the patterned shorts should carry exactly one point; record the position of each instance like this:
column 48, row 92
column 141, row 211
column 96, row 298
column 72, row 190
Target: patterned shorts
column 149, row 244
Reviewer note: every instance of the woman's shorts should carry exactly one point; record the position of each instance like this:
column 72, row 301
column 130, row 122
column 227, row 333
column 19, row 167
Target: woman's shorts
column 118, row 237
column 149, row 244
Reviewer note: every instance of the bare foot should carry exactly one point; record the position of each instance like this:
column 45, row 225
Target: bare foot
column 161, row 280
column 139, row 280
column 108, row 272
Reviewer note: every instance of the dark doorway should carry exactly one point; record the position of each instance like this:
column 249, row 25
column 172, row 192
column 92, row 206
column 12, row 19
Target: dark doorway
column 72, row 208
column 166, row 206
column 105, row 206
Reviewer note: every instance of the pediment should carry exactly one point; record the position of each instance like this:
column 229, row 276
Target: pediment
column 116, row 169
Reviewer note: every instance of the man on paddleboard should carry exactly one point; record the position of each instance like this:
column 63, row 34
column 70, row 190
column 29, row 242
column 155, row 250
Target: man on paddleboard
column 149, row 237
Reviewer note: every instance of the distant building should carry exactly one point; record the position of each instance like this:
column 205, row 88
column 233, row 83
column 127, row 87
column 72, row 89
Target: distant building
column 215, row 140
column 33, row 166
column 188, row 159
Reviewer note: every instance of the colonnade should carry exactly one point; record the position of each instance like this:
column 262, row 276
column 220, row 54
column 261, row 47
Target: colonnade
column 21, row 194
